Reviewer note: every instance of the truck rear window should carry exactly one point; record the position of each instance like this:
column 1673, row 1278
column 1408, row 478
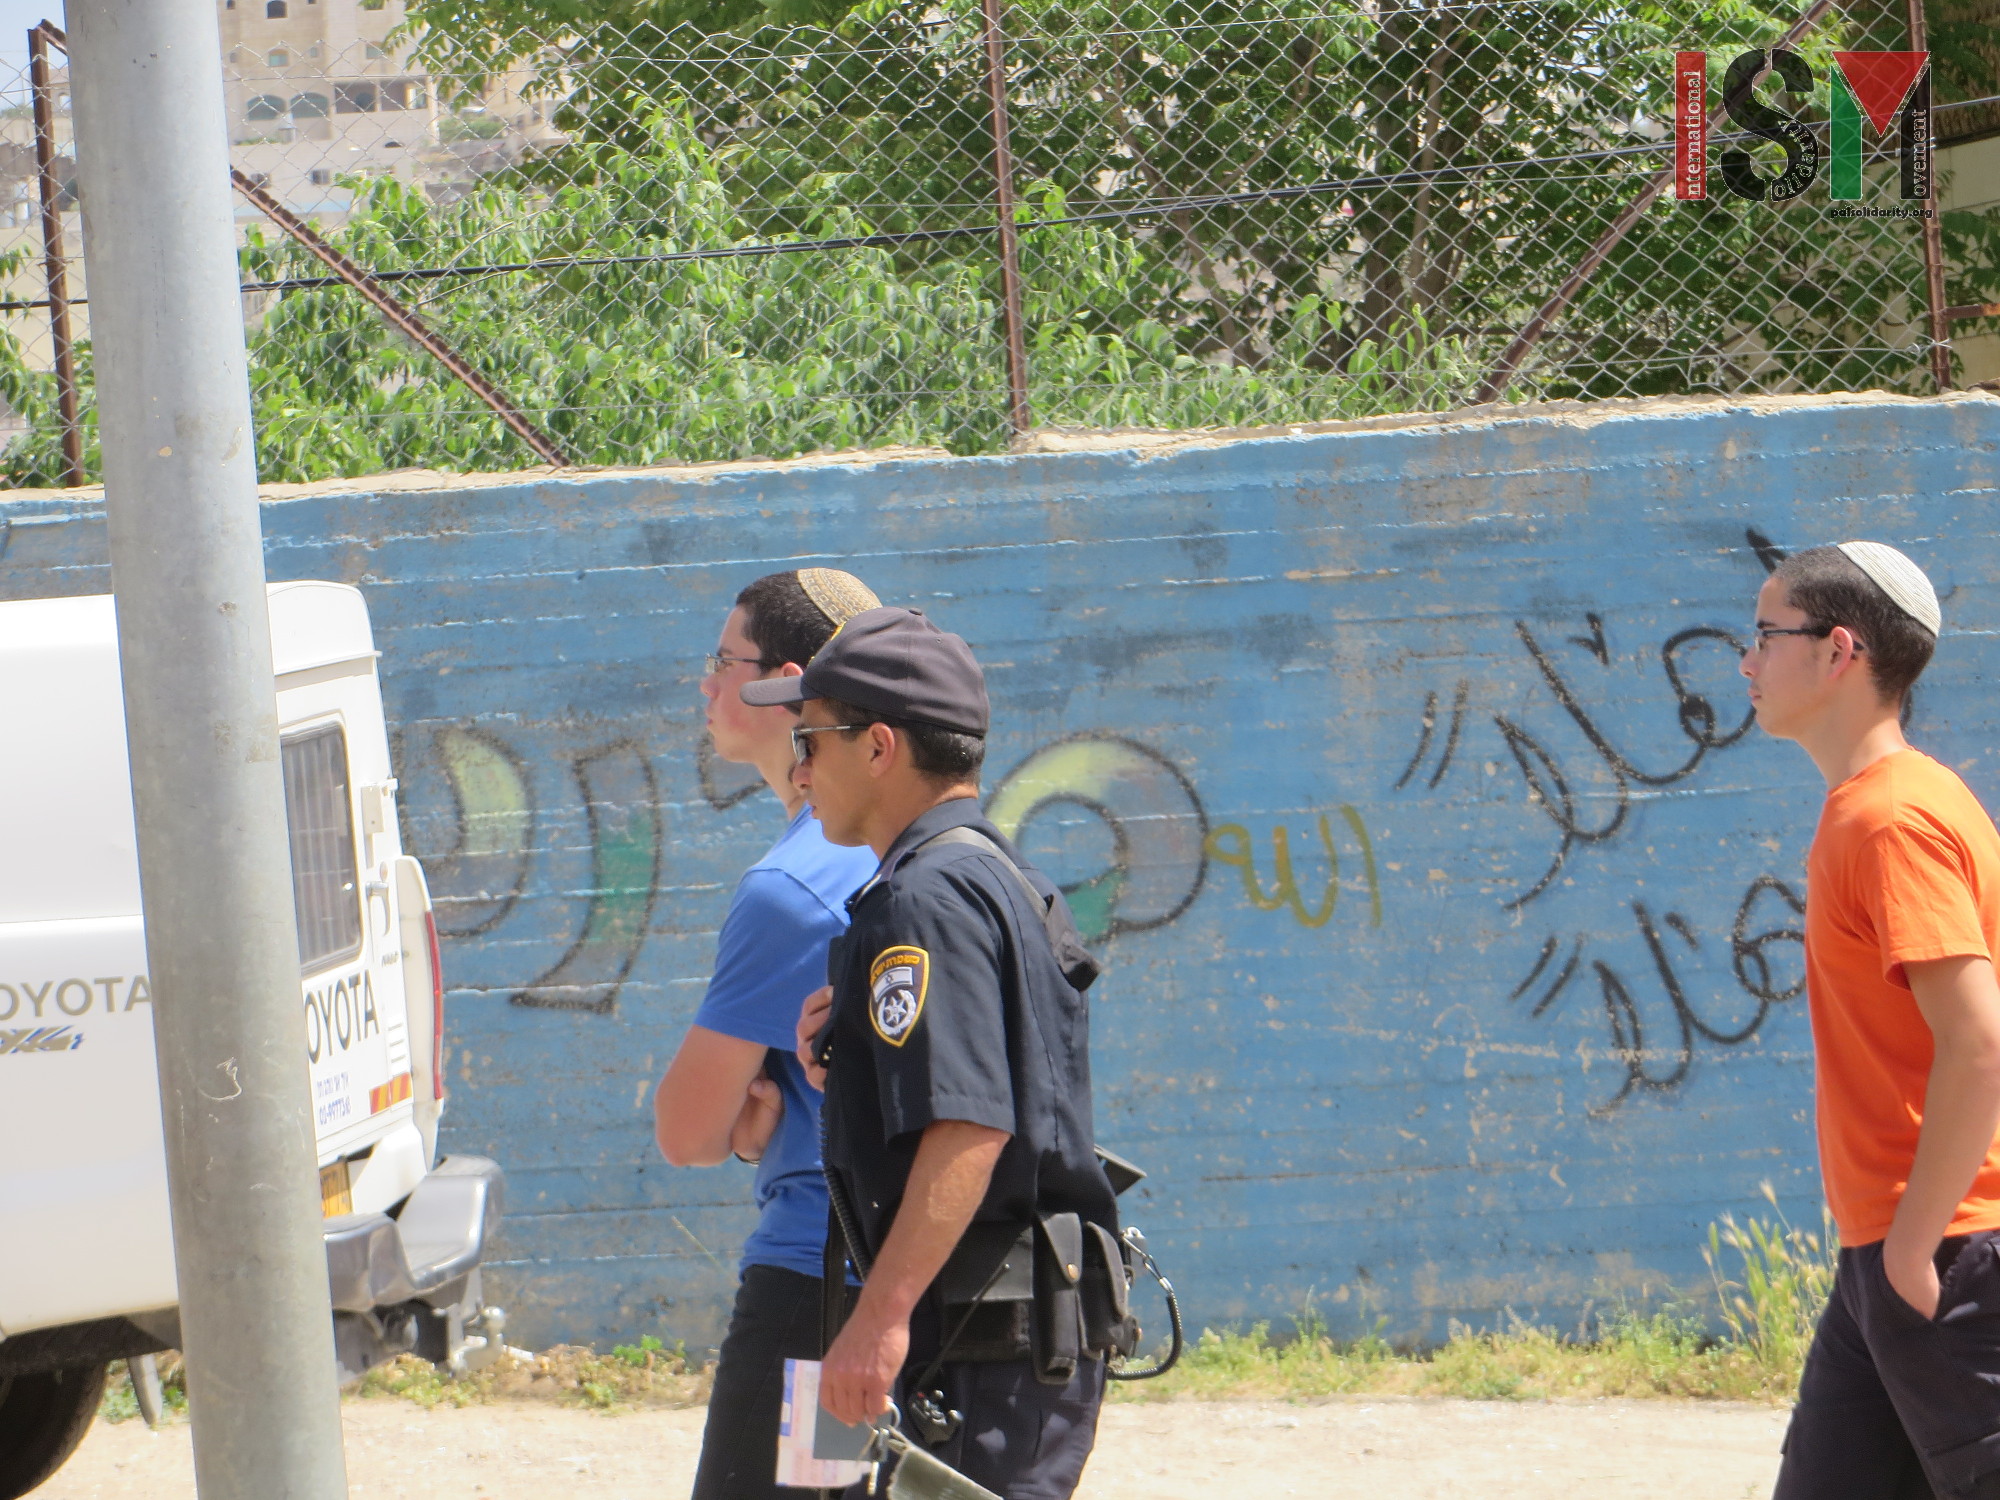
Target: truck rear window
column 321, row 819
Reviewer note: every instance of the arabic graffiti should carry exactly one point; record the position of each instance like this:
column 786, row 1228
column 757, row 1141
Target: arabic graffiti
column 622, row 804
column 1767, row 915
column 475, row 883
column 1750, row 960
column 1231, row 844
column 478, row 876
column 481, row 841
column 1158, row 829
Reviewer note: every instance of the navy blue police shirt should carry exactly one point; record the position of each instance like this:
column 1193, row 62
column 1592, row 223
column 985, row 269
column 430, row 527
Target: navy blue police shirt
column 949, row 1004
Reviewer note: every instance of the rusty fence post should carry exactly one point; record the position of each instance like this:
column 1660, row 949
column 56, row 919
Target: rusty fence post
column 1020, row 415
column 53, row 266
column 1919, row 117
column 402, row 319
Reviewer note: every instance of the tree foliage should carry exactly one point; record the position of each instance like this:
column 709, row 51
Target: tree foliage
column 1234, row 211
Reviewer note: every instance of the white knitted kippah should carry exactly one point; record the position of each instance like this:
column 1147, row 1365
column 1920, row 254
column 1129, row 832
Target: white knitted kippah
column 1902, row 580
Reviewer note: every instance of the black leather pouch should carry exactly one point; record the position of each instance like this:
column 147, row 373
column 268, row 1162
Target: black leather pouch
column 1108, row 1325
column 985, row 1293
column 1058, row 1343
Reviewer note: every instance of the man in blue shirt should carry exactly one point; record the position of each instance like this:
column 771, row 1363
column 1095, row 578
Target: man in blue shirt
column 735, row 1085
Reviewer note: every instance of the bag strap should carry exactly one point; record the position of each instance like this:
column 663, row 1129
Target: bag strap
column 1079, row 965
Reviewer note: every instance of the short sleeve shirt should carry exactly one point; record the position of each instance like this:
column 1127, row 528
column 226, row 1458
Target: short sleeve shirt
column 1904, row 868
column 771, row 954
column 950, row 1005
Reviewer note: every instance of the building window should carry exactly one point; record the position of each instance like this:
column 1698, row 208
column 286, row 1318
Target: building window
column 372, row 52
column 354, row 98
column 259, row 179
column 402, row 93
column 265, row 107
column 275, row 10
column 310, row 107
column 278, row 57
column 320, row 820
column 320, row 176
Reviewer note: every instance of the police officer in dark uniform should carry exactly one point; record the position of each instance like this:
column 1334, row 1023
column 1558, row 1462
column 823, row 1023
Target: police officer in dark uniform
column 955, row 1042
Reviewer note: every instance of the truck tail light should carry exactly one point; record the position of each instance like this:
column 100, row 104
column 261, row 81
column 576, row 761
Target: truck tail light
column 437, row 1008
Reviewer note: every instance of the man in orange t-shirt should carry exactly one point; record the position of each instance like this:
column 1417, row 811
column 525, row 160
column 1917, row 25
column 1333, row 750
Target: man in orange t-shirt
column 1901, row 1392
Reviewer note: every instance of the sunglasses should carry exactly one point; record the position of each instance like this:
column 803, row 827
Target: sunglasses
column 802, row 745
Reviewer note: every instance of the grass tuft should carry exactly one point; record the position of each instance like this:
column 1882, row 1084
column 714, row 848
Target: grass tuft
column 1770, row 1281
column 646, row 1374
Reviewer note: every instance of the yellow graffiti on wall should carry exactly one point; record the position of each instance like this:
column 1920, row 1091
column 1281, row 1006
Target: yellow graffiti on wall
column 1231, row 844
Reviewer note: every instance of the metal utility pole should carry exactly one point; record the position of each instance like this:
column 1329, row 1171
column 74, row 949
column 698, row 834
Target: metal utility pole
column 187, row 567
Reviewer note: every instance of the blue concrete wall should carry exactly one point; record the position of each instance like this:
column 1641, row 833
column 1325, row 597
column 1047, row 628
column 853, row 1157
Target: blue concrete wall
column 1450, row 899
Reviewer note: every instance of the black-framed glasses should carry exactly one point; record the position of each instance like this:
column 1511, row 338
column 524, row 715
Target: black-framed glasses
column 719, row 662
column 1817, row 632
column 802, row 745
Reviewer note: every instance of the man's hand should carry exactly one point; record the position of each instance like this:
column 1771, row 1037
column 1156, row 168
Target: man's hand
column 861, row 1368
column 947, row 1182
column 1960, row 1002
column 812, row 1020
column 698, row 1104
column 763, row 1108
column 1913, row 1277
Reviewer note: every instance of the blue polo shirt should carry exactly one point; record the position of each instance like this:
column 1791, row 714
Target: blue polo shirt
column 771, row 954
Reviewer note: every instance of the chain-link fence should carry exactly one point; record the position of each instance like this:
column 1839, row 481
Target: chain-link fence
column 482, row 233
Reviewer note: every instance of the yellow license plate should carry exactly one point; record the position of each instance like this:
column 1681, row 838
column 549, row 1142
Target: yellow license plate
column 335, row 1198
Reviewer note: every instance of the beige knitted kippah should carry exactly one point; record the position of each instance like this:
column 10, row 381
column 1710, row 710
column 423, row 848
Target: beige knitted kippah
column 839, row 596
column 1902, row 580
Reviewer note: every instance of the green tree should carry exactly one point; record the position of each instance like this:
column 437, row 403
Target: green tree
column 1469, row 130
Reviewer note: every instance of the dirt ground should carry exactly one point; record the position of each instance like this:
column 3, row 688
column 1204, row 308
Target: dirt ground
column 1336, row 1450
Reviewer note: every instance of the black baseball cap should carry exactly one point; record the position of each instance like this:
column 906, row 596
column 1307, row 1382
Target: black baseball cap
column 891, row 662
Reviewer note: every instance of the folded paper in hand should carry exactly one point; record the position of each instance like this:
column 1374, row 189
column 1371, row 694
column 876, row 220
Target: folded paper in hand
column 816, row 1451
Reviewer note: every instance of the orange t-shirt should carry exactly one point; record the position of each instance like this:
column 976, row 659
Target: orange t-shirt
column 1905, row 867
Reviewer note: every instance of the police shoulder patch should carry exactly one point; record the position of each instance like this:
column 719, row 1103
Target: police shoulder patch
column 896, row 985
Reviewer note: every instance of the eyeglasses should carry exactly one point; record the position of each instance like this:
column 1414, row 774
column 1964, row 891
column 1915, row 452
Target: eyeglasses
column 802, row 745
column 1817, row 632
column 718, row 662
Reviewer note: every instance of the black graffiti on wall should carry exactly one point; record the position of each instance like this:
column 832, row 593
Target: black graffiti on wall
column 1764, row 977
column 1589, row 802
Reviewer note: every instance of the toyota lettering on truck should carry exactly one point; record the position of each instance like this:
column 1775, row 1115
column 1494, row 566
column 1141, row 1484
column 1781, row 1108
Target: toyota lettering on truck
column 405, row 1231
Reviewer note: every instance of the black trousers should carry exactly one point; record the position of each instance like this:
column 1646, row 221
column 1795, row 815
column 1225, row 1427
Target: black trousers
column 776, row 1318
column 1020, row 1439
column 1894, row 1405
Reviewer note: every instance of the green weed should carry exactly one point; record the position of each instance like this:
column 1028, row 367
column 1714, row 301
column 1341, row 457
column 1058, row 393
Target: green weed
column 1769, row 1280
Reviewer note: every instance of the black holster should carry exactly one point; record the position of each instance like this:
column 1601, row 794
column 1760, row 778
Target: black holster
column 1057, row 1339
column 1109, row 1327
column 1056, row 1292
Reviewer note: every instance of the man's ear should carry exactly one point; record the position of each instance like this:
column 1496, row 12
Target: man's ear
column 1846, row 656
column 881, row 749
column 791, row 669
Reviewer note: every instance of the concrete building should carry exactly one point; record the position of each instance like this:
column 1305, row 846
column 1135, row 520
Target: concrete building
column 320, row 95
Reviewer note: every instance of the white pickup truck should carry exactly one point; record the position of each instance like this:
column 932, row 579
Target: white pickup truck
column 86, row 1250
